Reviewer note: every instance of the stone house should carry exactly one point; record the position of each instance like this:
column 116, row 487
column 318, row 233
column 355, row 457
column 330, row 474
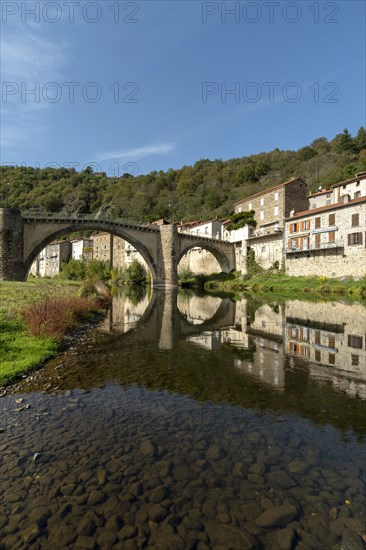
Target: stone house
column 327, row 241
column 49, row 261
column 323, row 197
column 82, row 248
column 109, row 248
column 271, row 207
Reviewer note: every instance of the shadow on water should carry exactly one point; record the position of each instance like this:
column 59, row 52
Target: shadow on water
column 298, row 358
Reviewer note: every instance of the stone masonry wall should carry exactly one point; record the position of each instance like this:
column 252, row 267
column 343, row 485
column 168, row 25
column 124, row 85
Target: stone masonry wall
column 11, row 245
column 338, row 261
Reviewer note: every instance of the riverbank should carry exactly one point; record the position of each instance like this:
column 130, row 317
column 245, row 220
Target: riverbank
column 279, row 285
column 35, row 317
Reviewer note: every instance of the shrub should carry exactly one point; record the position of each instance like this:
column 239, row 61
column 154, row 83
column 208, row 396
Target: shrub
column 53, row 316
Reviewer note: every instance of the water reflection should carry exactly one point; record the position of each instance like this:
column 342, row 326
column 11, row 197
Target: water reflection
column 193, row 422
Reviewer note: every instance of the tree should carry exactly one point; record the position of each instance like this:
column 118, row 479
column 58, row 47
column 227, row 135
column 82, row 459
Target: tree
column 344, row 142
column 360, row 139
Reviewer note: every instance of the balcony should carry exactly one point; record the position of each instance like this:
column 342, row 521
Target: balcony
column 331, row 245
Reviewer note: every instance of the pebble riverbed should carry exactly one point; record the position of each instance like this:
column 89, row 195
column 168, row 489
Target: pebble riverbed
column 121, row 465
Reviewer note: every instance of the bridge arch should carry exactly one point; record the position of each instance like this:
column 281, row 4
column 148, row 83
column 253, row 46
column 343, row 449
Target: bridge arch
column 54, row 234
column 214, row 249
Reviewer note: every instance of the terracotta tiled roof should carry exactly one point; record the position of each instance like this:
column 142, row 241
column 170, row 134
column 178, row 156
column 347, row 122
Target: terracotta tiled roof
column 325, row 208
column 322, row 192
column 270, row 190
column 362, row 176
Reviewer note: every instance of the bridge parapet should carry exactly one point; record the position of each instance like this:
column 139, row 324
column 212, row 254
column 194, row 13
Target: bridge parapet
column 23, row 236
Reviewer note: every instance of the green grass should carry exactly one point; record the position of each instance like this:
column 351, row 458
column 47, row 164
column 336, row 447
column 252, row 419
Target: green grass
column 275, row 284
column 20, row 352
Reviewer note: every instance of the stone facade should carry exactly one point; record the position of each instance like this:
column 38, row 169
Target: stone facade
column 328, row 241
column 49, row 261
column 11, row 245
column 270, row 208
column 82, row 249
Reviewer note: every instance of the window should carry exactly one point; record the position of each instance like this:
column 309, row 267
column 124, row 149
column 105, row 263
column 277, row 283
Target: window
column 250, row 206
column 239, row 208
column 276, row 210
column 331, row 219
column 357, row 194
column 331, row 341
column 262, row 215
column 305, row 226
column 317, row 241
column 262, row 202
column 354, row 341
column 317, row 223
column 293, row 227
column 354, row 238
column 355, row 360
column 331, row 236
column 318, row 356
column 332, row 358
column 276, row 196
column 355, row 220
column 317, row 336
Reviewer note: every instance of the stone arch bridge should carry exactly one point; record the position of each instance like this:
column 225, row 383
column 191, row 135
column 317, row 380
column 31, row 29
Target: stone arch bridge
column 23, row 236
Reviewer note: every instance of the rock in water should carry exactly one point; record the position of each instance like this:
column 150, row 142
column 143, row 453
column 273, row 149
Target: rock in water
column 277, row 516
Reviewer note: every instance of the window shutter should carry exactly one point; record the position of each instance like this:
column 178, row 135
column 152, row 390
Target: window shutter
column 359, row 238
column 349, row 239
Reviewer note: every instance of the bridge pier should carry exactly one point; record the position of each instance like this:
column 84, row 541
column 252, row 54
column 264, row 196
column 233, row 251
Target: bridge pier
column 11, row 245
column 167, row 265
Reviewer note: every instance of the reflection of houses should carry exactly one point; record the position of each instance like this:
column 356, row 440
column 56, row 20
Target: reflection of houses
column 123, row 314
column 197, row 309
column 329, row 335
column 208, row 340
column 49, row 262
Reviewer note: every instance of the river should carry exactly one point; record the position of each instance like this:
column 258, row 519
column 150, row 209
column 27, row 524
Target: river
column 193, row 422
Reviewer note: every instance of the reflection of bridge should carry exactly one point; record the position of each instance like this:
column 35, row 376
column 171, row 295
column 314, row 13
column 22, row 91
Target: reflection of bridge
column 163, row 322
column 23, row 236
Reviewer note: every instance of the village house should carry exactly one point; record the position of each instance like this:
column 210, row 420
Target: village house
column 49, row 262
column 82, row 249
column 271, row 207
column 328, row 241
column 109, row 248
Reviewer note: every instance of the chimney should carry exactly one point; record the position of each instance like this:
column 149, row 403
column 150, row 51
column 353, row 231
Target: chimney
column 292, row 213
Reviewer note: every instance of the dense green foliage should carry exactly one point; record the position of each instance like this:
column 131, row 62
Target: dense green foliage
column 241, row 219
column 134, row 274
column 78, row 270
column 205, row 190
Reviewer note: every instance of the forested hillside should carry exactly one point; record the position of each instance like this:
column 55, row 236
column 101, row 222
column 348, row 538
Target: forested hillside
column 205, row 190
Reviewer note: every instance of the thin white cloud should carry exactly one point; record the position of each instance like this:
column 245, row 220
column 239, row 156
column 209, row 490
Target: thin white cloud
column 138, row 152
column 29, row 59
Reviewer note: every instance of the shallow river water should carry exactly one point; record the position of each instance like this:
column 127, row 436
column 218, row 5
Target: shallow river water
column 193, row 422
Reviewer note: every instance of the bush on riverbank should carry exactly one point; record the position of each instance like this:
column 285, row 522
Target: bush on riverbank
column 20, row 350
column 54, row 316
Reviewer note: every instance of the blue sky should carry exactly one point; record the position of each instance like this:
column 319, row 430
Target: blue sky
column 297, row 70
